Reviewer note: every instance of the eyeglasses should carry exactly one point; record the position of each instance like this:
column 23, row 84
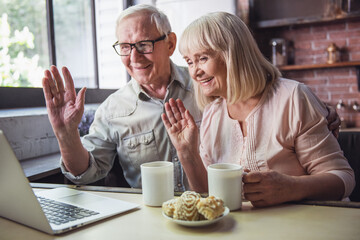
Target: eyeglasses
column 143, row 47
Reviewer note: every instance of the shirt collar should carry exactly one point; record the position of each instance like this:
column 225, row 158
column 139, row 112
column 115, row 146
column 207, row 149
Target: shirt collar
column 175, row 76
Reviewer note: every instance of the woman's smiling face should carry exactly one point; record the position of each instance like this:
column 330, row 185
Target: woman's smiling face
column 208, row 69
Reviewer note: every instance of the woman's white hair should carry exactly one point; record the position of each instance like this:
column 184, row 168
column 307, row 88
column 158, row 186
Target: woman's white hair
column 156, row 16
column 248, row 71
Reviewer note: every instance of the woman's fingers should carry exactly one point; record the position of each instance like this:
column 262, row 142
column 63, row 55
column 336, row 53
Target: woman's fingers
column 166, row 121
column 177, row 115
column 169, row 113
column 172, row 111
column 175, row 109
column 253, row 177
column 255, row 196
column 189, row 118
column 170, row 128
column 181, row 107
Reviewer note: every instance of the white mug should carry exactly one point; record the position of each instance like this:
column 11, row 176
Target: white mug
column 157, row 180
column 225, row 182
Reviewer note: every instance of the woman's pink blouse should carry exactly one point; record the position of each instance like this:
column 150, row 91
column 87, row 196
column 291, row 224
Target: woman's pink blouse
column 286, row 132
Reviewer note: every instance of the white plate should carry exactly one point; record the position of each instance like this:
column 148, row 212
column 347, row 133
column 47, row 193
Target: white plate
column 198, row 223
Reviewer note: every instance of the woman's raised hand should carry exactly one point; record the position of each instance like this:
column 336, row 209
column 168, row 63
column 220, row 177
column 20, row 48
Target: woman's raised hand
column 180, row 125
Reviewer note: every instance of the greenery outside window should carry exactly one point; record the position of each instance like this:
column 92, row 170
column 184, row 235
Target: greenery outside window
column 23, row 57
column 37, row 34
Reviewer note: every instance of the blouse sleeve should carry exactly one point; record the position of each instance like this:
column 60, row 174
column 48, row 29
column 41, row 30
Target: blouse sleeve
column 212, row 143
column 316, row 147
column 205, row 127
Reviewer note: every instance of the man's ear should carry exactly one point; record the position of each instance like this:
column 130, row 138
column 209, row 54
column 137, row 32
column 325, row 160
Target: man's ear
column 171, row 43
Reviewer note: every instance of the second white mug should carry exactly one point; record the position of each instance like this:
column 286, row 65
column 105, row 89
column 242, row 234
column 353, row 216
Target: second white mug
column 225, row 182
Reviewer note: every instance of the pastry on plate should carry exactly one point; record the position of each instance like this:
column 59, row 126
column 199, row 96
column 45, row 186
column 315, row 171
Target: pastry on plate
column 168, row 207
column 185, row 208
column 190, row 206
column 210, row 207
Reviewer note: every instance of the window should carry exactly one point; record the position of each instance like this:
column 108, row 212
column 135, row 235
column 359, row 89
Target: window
column 37, row 34
column 74, row 41
column 23, row 43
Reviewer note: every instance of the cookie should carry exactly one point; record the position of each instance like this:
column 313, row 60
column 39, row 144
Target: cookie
column 210, row 207
column 168, row 207
column 185, row 208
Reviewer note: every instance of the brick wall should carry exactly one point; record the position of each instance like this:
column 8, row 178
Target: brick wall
column 310, row 43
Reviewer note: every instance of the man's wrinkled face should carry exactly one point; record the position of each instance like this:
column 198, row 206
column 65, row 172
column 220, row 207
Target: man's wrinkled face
column 147, row 68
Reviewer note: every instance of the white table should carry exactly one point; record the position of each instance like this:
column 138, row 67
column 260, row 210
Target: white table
column 288, row 221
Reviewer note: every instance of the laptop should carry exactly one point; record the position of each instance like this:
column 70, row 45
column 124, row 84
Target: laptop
column 19, row 203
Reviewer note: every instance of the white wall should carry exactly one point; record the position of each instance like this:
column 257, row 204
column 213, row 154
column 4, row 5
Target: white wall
column 182, row 12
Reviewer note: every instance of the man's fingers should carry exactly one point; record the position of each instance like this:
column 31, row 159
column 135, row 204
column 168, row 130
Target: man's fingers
column 47, row 90
column 80, row 99
column 58, row 79
column 51, row 83
column 69, row 83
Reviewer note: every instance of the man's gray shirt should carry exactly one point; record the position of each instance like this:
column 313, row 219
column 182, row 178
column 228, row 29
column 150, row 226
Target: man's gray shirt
column 128, row 124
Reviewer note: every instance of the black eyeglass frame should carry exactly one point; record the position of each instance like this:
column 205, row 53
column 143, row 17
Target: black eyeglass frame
column 133, row 45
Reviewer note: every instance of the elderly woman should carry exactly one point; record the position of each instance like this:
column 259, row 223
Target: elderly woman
column 274, row 127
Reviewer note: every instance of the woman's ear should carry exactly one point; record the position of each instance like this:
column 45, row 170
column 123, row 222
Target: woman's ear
column 171, row 43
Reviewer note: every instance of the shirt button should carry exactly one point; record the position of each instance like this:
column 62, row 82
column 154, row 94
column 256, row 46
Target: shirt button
column 179, row 184
column 176, row 159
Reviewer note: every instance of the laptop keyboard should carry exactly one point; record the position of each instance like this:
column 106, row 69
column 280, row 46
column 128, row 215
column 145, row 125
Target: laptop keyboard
column 59, row 213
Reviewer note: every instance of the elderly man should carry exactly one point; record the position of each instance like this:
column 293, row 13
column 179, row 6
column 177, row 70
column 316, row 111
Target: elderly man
column 128, row 123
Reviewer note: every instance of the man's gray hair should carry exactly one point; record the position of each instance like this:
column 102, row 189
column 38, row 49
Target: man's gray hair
column 156, row 16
